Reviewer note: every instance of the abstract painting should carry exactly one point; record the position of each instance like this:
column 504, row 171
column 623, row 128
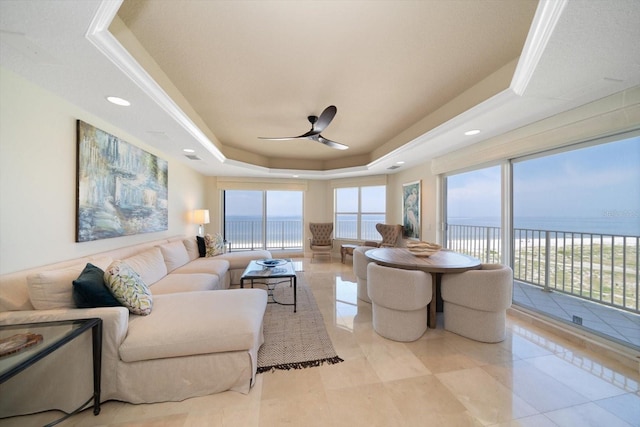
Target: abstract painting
column 121, row 189
column 411, row 210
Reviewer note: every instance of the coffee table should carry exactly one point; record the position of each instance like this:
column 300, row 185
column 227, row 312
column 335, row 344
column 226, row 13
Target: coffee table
column 271, row 276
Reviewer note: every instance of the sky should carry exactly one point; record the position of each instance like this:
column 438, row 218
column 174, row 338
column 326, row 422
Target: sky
column 601, row 181
column 249, row 203
column 289, row 203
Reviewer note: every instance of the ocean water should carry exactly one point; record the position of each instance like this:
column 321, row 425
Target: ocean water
column 287, row 232
column 614, row 224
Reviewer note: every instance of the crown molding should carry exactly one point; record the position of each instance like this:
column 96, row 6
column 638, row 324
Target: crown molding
column 98, row 34
column 542, row 27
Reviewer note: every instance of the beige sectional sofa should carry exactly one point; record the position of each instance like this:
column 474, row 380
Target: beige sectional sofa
column 194, row 342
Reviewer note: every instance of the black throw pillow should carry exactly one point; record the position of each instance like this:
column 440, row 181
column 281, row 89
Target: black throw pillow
column 202, row 247
column 89, row 290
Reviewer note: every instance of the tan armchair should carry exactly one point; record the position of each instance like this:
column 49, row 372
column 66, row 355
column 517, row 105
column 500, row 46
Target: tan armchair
column 321, row 241
column 390, row 234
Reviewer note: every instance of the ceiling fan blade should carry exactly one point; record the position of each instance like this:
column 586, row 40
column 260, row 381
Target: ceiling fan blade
column 330, row 143
column 284, row 138
column 325, row 118
column 309, row 134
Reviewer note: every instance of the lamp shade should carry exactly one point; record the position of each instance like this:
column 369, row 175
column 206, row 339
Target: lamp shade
column 201, row 216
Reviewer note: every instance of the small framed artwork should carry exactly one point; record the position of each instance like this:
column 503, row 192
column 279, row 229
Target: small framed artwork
column 411, row 195
column 121, row 189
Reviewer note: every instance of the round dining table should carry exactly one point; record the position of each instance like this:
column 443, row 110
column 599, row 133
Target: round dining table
column 442, row 262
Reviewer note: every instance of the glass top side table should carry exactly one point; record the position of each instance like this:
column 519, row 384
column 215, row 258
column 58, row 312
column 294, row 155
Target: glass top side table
column 54, row 335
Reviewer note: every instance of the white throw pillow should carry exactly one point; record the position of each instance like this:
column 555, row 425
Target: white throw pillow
column 191, row 245
column 175, row 255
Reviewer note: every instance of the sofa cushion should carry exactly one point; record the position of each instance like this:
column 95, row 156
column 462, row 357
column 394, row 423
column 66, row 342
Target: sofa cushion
column 176, row 282
column 149, row 264
column 192, row 323
column 216, row 266
column 128, row 288
column 241, row 259
column 50, row 289
column 175, row 255
column 90, row 291
column 193, row 250
column 53, row 288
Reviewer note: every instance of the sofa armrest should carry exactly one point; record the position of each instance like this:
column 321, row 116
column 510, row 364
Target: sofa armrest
column 115, row 320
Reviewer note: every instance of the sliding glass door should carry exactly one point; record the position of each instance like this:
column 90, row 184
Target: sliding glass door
column 574, row 242
column 473, row 222
column 263, row 219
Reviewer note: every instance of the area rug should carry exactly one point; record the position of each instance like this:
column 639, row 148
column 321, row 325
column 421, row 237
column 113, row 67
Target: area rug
column 294, row 340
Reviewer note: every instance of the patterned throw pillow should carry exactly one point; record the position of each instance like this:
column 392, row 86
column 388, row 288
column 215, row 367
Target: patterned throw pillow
column 128, row 288
column 214, row 245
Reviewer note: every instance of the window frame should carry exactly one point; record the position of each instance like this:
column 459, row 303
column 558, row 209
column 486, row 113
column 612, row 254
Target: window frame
column 358, row 214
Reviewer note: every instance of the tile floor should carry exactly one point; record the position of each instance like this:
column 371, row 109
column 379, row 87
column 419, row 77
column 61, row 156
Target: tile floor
column 533, row 378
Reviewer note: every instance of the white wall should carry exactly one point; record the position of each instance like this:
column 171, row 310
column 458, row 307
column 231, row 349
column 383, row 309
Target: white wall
column 428, row 206
column 38, row 184
column 38, row 180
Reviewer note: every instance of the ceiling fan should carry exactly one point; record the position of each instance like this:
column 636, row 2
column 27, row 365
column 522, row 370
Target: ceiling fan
column 318, row 124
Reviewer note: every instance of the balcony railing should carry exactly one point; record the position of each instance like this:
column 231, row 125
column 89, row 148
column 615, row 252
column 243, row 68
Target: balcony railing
column 597, row 267
column 287, row 235
column 250, row 235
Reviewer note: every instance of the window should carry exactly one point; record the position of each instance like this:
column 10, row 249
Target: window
column 575, row 218
column 358, row 210
column 263, row 219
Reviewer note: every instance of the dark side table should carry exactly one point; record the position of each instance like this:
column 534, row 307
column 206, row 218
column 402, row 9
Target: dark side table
column 346, row 249
column 54, row 335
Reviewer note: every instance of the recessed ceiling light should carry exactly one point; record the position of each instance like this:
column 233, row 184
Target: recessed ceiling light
column 472, row 132
column 189, row 150
column 118, row 101
column 295, row 176
column 400, row 163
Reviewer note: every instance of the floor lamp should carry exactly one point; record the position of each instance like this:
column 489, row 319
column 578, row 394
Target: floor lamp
column 201, row 217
